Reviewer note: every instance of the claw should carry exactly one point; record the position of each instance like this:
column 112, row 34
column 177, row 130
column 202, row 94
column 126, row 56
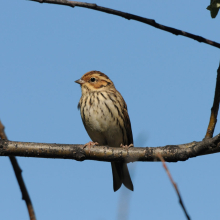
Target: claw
column 126, row 146
column 89, row 144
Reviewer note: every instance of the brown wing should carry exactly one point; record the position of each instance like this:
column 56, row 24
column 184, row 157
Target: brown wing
column 128, row 126
column 127, row 122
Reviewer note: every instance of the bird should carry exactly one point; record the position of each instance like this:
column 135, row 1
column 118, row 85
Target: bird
column 105, row 117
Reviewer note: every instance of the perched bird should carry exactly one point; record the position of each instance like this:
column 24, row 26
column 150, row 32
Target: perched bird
column 106, row 120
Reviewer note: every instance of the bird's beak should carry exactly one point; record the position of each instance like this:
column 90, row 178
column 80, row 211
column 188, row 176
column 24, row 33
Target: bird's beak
column 80, row 81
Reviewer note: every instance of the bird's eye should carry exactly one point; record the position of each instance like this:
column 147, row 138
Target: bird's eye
column 92, row 79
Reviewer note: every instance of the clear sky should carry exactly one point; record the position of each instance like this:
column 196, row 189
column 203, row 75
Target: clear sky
column 167, row 81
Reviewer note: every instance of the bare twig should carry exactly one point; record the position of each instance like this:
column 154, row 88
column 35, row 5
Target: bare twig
column 170, row 153
column 174, row 185
column 17, row 170
column 131, row 17
column 215, row 107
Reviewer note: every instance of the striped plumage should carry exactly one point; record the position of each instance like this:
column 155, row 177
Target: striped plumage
column 105, row 117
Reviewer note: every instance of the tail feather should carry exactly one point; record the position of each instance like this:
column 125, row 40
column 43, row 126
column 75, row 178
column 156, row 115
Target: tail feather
column 126, row 177
column 116, row 172
column 121, row 175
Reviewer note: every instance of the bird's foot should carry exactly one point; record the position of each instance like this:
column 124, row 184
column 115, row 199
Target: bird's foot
column 89, row 144
column 126, row 146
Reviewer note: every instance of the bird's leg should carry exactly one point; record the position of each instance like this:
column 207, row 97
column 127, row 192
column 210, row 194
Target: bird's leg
column 89, row 144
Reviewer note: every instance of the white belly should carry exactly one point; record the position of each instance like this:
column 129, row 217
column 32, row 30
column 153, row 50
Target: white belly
column 101, row 123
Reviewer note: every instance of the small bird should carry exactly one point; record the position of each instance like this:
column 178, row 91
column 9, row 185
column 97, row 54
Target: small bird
column 106, row 120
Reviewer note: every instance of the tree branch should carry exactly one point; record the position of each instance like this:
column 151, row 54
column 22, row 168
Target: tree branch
column 18, row 171
column 170, row 153
column 131, row 17
column 215, row 107
column 174, row 185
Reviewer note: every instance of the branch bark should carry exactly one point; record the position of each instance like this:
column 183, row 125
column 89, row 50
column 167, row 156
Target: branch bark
column 170, row 153
column 215, row 107
column 175, row 186
column 131, row 17
column 18, row 171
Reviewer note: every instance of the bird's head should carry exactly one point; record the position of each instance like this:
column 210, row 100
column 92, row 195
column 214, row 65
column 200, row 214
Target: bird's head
column 95, row 81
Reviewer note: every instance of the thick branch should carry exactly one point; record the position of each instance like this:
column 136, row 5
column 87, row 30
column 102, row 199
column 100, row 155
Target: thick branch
column 170, row 153
column 131, row 17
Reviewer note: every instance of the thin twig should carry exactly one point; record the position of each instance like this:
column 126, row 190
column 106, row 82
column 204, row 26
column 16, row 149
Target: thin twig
column 174, row 185
column 131, row 17
column 215, row 107
column 18, row 171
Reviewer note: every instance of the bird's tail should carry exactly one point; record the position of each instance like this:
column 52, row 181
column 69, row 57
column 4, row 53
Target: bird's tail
column 121, row 175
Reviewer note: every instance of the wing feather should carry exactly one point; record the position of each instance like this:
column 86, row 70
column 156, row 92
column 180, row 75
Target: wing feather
column 127, row 123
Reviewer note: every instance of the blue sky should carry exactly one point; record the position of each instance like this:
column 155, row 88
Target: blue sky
column 167, row 81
